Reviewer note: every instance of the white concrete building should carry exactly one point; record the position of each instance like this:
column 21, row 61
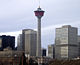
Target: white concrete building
column 66, row 45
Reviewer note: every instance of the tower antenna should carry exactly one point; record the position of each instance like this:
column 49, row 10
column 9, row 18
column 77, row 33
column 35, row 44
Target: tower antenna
column 39, row 3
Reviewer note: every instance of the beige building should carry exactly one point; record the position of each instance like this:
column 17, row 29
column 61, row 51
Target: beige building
column 10, row 57
column 8, row 52
column 0, row 42
column 66, row 45
column 29, row 40
column 51, row 51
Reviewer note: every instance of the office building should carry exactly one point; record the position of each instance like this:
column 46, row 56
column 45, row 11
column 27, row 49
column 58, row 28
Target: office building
column 43, row 52
column 51, row 51
column 66, row 45
column 7, row 41
column 29, row 40
column 19, row 43
column 79, row 45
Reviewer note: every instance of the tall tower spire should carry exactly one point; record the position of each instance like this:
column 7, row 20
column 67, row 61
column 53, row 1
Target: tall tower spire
column 39, row 3
column 39, row 13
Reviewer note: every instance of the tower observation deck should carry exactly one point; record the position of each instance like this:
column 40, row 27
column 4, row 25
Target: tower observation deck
column 39, row 13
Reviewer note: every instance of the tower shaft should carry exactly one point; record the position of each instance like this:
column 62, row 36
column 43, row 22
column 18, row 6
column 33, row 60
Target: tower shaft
column 39, row 38
column 39, row 13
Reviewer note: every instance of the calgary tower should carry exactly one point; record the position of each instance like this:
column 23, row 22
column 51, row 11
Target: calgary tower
column 39, row 13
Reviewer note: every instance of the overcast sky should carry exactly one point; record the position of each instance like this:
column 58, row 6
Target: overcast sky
column 16, row 15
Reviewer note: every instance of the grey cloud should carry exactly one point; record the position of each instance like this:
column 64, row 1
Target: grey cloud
column 19, row 12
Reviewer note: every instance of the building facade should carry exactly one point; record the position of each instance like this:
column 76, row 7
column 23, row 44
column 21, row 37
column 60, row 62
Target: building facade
column 43, row 52
column 7, row 41
column 51, row 51
column 19, row 42
column 29, row 40
column 79, row 44
column 66, row 45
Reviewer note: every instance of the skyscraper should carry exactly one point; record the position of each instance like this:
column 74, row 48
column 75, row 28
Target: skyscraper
column 29, row 38
column 39, row 13
column 66, row 45
column 79, row 44
column 19, row 42
column 43, row 52
column 7, row 41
